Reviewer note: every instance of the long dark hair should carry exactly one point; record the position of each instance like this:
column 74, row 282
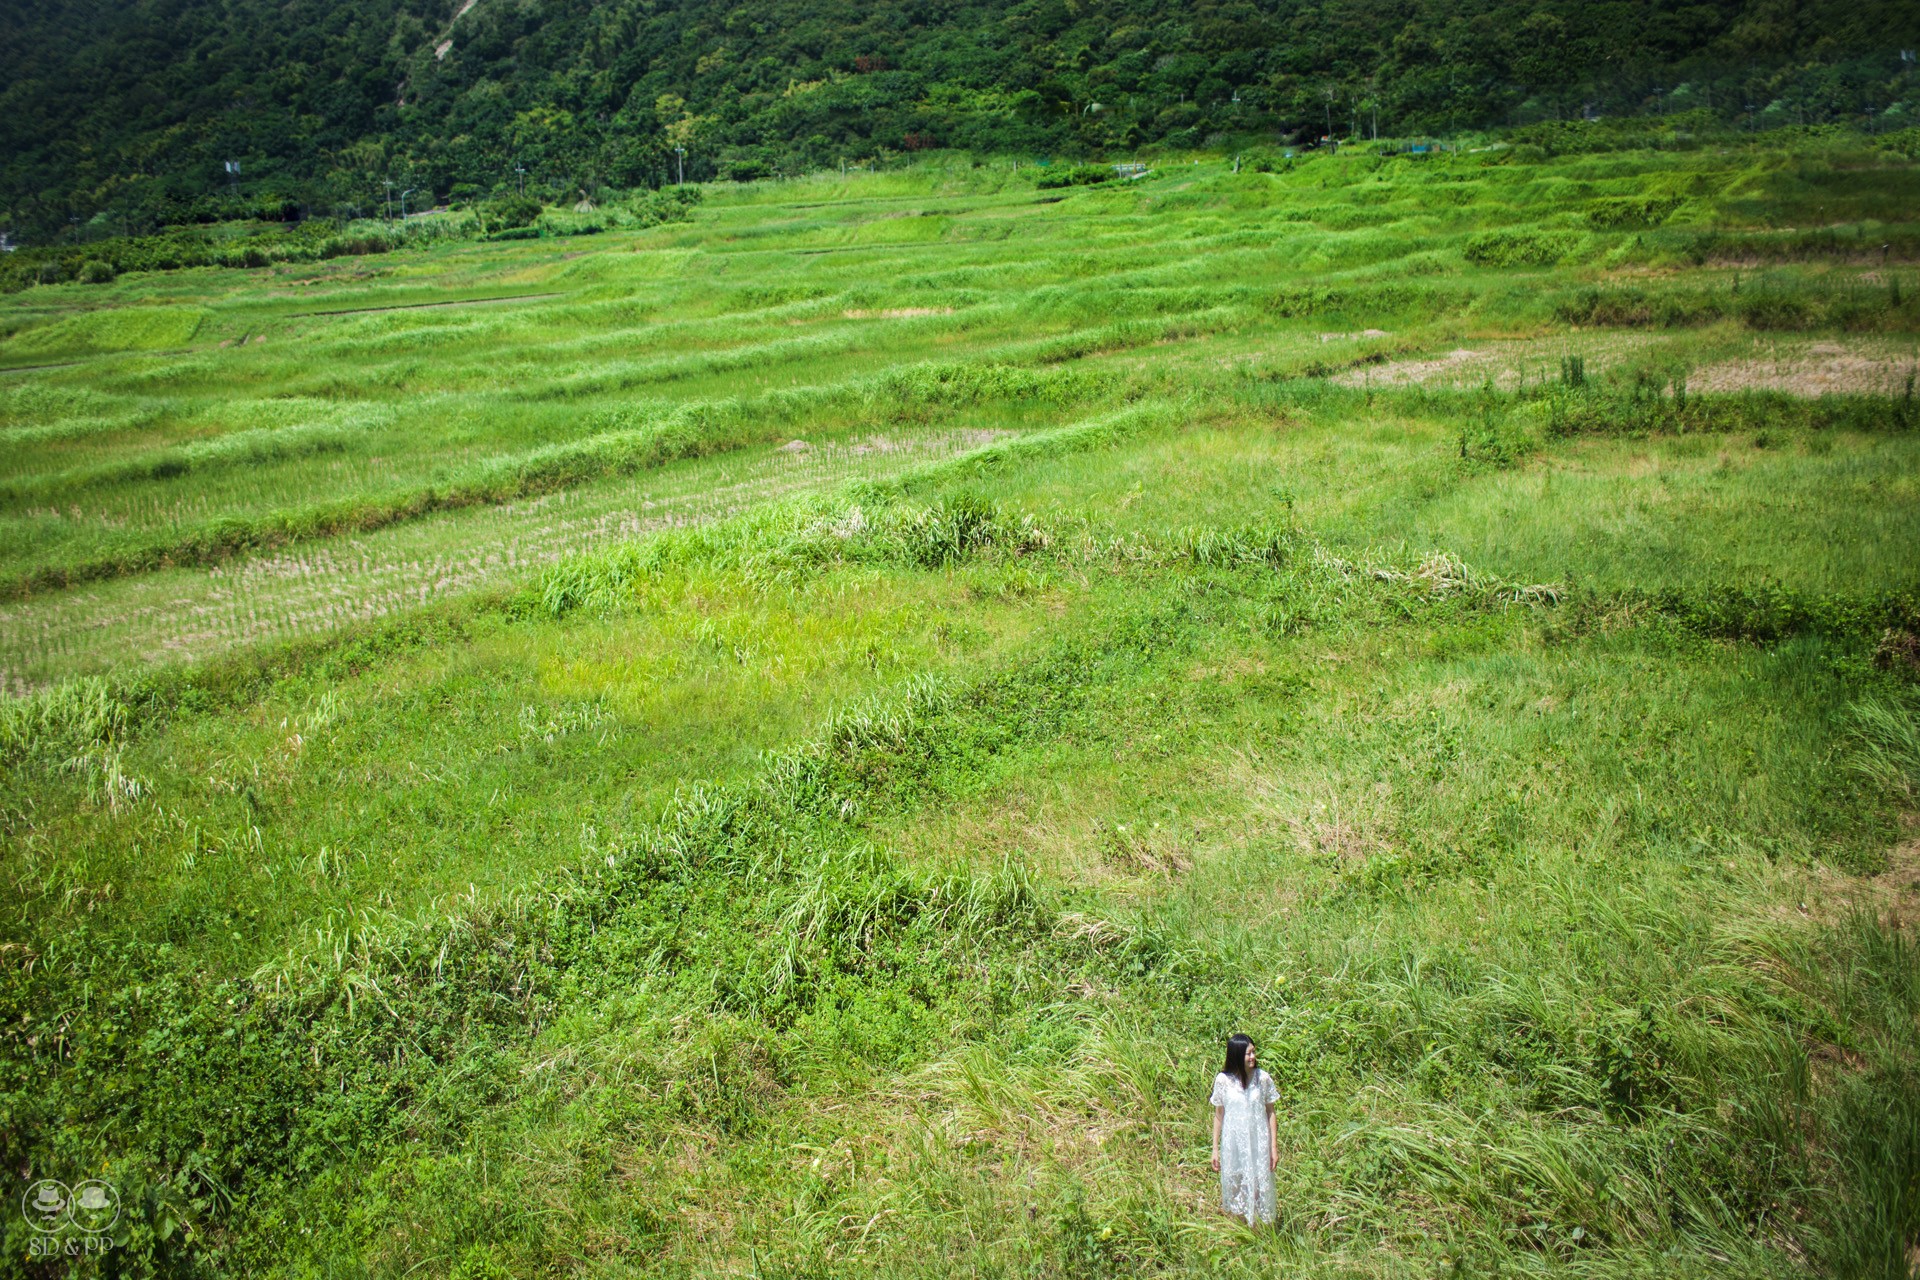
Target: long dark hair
column 1237, row 1046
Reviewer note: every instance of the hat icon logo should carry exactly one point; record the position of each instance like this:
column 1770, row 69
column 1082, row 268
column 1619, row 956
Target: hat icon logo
column 45, row 1204
column 96, row 1206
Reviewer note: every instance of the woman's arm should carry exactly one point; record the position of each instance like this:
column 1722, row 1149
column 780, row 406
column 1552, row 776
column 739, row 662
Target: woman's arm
column 1273, row 1138
column 1219, row 1113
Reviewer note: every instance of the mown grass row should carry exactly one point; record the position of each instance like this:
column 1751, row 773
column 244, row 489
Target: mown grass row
column 1498, row 427
column 1461, row 450
column 668, row 434
column 1184, row 256
column 328, row 436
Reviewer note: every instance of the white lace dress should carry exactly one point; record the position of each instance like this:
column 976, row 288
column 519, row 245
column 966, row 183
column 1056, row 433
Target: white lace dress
column 1246, row 1176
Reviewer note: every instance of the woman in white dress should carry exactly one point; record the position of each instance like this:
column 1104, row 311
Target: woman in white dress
column 1245, row 1134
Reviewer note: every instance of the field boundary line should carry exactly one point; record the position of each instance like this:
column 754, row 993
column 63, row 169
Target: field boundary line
column 29, row 368
column 420, row 306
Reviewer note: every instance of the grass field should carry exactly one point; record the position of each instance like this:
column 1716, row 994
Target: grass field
column 782, row 743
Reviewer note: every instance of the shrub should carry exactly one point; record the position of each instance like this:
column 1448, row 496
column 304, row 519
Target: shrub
column 1762, row 310
column 354, row 246
column 94, row 271
column 1080, row 175
column 1518, row 248
column 509, row 212
column 1643, row 211
column 671, row 205
column 746, row 169
column 1631, row 307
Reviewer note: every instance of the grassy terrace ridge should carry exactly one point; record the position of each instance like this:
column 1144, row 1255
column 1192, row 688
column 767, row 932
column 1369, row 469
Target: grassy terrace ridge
column 786, row 749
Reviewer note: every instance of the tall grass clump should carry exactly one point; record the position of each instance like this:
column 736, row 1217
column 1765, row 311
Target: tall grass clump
column 338, row 1046
column 63, row 722
column 1888, row 752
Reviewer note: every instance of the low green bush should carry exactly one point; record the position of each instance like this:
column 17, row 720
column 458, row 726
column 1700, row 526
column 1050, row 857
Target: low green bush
column 1632, row 211
column 508, row 212
column 357, row 245
column 183, row 247
column 1080, row 175
column 1519, row 248
column 1652, row 402
column 1628, row 306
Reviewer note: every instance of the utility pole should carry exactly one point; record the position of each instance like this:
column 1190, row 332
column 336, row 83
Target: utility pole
column 522, row 171
column 403, row 202
column 389, row 182
column 681, row 152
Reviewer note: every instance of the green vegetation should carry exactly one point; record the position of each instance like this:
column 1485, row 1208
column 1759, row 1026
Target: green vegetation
column 243, row 244
column 125, row 117
column 782, row 740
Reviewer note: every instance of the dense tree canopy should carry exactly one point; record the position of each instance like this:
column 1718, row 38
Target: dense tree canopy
column 125, row 113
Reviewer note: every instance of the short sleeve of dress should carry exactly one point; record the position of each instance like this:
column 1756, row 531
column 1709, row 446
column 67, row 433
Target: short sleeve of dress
column 1219, row 1098
column 1269, row 1092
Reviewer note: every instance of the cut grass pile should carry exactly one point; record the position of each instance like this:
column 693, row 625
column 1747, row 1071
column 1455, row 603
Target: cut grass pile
column 859, row 872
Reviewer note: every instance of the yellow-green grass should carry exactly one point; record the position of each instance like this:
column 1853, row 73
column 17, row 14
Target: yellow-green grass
column 861, row 877
column 739, row 301
column 310, row 589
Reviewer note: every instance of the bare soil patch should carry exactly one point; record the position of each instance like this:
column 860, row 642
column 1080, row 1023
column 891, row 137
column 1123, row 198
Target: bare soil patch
column 897, row 313
column 1406, row 373
column 1827, row 896
column 1806, row 369
column 1898, row 887
column 1822, row 369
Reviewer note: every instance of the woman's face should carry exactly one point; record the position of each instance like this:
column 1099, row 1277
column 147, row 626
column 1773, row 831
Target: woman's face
column 1253, row 1060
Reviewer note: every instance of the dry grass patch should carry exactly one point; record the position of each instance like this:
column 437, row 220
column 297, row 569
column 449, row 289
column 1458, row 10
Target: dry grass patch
column 1821, row 369
column 896, row 313
column 320, row 586
column 1894, row 894
column 1506, row 363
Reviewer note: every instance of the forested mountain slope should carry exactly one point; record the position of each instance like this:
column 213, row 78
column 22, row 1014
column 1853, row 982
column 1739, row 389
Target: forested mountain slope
column 128, row 112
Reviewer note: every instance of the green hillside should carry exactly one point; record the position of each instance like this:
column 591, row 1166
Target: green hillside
column 781, row 742
column 127, row 113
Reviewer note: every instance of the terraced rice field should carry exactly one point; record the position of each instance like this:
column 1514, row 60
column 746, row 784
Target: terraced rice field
column 191, row 417
column 784, row 743
column 307, row 588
